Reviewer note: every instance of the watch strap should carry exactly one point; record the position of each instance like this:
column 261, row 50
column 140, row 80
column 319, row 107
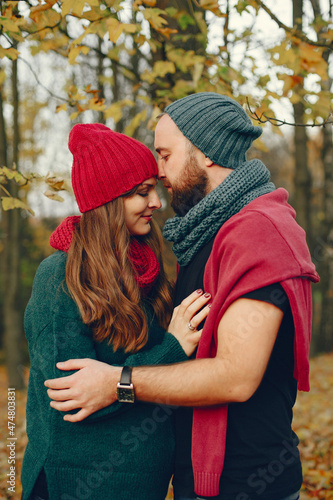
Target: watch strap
column 126, row 374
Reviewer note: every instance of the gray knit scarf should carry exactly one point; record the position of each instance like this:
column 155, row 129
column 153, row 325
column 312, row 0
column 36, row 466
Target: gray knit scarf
column 191, row 232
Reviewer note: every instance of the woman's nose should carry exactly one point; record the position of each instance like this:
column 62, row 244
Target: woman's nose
column 155, row 202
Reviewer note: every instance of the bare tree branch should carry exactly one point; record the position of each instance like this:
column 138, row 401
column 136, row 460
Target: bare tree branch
column 263, row 118
column 40, row 83
column 293, row 31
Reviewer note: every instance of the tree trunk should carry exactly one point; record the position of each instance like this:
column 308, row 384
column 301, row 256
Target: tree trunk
column 13, row 330
column 100, row 74
column 302, row 180
column 324, row 340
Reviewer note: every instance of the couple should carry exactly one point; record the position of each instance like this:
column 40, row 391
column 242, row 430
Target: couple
column 105, row 298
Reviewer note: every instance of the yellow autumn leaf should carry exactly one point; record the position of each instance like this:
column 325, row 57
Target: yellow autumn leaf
column 12, row 174
column 87, row 31
column 78, row 96
column 153, row 16
column 10, row 53
column 9, row 203
column 56, row 183
column 115, row 111
column 130, row 27
column 41, row 7
column 310, row 53
column 136, row 122
column 213, row 6
column 75, row 114
column 290, row 81
column 160, row 69
column 53, row 196
column 75, row 51
column 149, row 3
column 8, row 25
column 312, row 60
column 323, row 106
column 76, row 7
column 284, row 55
column 184, row 59
column 114, row 28
column 44, row 15
column 153, row 119
column 96, row 104
column 295, row 98
column 49, row 44
column 62, row 107
column 167, row 32
column 181, row 89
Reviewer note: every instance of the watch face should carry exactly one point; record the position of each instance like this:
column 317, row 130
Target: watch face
column 125, row 394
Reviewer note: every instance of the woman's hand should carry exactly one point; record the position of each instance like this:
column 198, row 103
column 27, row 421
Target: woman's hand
column 187, row 317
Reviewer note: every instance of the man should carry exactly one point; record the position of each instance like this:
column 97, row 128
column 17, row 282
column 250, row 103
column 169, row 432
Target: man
column 235, row 236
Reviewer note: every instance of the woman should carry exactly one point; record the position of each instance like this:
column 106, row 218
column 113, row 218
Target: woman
column 104, row 295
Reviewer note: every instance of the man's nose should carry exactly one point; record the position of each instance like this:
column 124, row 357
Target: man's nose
column 161, row 173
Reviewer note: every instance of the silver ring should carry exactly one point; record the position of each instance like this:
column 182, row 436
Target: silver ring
column 190, row 327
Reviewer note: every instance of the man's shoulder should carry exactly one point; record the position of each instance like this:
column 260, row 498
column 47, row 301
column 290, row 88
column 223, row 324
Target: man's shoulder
column 267, row 216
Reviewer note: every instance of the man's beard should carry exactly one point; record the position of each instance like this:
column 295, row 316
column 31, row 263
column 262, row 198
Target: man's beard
column 190, row 189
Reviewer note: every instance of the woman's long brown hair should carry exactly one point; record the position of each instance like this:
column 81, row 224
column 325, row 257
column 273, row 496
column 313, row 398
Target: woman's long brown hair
column 100, row 278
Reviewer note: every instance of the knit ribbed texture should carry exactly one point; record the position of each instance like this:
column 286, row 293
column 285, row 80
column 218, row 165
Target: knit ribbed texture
column 101, row 457
column 191, row 232
column 106, row 164
column 217, row 125
column 145, row 264
column 61, row 238
column 207, row 482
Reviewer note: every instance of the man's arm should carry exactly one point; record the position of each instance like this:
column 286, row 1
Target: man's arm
column 246, row 336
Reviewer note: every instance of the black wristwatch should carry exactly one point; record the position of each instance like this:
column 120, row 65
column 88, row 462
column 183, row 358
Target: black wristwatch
column 125, row 388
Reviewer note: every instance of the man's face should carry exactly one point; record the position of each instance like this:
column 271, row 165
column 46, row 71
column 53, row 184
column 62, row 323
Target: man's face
column 179, row 167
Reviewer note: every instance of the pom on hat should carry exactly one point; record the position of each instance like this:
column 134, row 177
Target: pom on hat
column 106, row 164
column 215, row 124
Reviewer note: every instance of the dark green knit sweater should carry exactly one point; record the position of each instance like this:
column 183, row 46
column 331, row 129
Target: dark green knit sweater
column 123, row 452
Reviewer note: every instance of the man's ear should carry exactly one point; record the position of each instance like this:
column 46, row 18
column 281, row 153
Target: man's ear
column 208, row 162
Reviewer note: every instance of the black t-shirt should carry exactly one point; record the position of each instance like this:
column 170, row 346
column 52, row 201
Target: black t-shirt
column 261, row 457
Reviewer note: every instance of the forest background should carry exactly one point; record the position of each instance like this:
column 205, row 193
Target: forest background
column 120, row 62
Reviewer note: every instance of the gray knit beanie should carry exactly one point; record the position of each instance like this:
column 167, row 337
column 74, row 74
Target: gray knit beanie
column 215, row 124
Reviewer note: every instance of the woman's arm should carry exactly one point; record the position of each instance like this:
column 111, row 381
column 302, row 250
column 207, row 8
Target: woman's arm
column 167, row 352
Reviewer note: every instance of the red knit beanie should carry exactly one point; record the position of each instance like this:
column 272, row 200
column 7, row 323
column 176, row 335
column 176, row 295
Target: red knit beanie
column 106, row 164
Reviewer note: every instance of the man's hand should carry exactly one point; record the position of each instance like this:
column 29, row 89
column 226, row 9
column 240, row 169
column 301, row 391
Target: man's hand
column 91, row 388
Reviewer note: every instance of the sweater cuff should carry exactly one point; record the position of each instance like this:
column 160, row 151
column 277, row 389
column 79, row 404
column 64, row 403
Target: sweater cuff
column 207, row 484
column 177, row 353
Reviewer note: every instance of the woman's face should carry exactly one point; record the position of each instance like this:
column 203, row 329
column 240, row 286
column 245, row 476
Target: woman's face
column 140, row 206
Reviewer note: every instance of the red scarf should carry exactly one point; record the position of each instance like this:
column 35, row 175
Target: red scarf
column 145, row 264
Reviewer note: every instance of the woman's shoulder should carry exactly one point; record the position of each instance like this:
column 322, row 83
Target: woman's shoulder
column 50, row 273
column 50, row 285
column 53, row 265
